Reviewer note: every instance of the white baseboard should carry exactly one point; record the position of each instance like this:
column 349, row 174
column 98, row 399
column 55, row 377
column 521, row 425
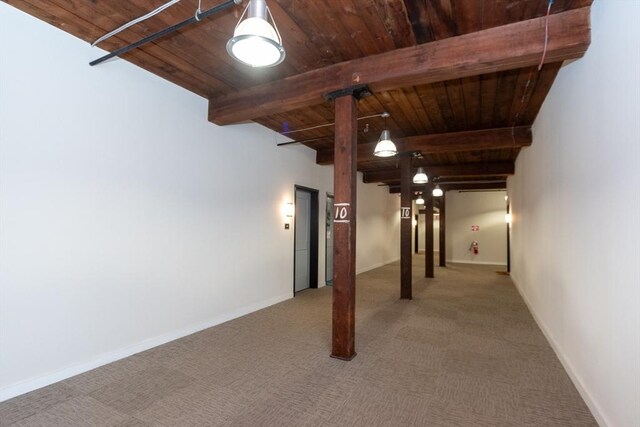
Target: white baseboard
column 568, row 367
column 476, row 262
column 376, row 265
column 26, row 386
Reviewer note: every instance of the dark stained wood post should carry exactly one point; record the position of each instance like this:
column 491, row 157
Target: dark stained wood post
column 406, row 180
column 344, row 243
column 508, row 243
column 428, row 230
column 416, row 233
column 443, row 233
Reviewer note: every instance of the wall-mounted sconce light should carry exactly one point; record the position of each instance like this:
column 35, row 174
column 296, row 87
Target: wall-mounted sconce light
column 287, row 211
column 507, row 218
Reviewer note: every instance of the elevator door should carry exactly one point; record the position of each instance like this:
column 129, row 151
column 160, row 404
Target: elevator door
column 329, row 242
column 302, row 240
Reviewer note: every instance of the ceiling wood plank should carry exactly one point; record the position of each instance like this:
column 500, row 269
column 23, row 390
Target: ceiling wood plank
column 471, row 95
column 393, row 15
column 545, row 79
column 486, row 139
column 472, row 169
column 508, row 47
column 420, row 21
column 395, row 189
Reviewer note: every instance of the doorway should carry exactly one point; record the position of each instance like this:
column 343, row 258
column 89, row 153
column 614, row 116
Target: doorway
column 328, row 265
column 305, row 256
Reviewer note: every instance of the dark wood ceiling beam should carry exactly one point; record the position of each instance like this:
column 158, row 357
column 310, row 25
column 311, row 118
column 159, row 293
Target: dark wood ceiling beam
column 473, row 169
column 450, row 142
column 507, row 47
column 395, row 189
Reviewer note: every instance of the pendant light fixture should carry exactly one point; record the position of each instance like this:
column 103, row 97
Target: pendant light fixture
column 437, row 192
column 385, row 147
column 420, row 200
column 420, row 177
column 255, row 41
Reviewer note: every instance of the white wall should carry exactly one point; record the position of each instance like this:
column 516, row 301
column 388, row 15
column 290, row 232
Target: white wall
column 127, row 219
column 576, row 217
column 376, row 210
column 485, row 209
column 436, row 233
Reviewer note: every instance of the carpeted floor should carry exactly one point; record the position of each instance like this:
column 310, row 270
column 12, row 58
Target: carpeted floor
column 464, row 352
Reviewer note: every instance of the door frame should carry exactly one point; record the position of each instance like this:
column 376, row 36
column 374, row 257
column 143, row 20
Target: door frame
column 329, row 215
column 313, row 237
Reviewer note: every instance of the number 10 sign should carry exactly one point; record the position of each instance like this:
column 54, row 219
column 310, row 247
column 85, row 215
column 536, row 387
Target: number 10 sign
column 342, row 212
column 405, row 213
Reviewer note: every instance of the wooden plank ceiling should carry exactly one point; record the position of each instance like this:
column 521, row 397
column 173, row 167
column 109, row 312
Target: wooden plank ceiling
column 468, row 128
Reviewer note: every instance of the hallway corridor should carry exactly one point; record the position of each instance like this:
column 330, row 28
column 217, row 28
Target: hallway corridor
column 464, row 352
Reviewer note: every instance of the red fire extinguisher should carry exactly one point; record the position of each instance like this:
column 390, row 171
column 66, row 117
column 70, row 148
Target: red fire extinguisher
column 474, row 247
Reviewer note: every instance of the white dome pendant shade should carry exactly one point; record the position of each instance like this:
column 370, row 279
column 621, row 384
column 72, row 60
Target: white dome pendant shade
column 255, row 41
column 420, row 200
column 385, row 147
column 420, row 177
column 437, row 192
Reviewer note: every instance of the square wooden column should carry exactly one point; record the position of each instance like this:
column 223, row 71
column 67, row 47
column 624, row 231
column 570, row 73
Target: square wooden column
column 443, row 233
column 406, row 179
column 428, row 230
column 344, row 229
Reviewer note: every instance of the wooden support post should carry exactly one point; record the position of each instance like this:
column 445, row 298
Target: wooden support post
column 428, row 230
column 416, row 232
column 406, row 179
column 344, row 243
column 443, row 232
column 508, row 243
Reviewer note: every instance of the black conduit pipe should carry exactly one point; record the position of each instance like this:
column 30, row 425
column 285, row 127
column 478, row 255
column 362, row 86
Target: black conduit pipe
column 196, row 18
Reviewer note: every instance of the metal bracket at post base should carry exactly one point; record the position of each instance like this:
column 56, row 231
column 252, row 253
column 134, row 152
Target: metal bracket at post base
column 346, row 359
column 358, row 92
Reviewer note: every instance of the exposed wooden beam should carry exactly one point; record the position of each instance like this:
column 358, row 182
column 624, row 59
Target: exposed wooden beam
column 471, row 169
column 395, row 189
column 507, row 47
column 450, row 142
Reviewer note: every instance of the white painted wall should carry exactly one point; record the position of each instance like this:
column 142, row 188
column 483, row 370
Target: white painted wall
column 576, row 217
column 436, row 233
column 128, row 220
column 377, row 210
column 486, row 209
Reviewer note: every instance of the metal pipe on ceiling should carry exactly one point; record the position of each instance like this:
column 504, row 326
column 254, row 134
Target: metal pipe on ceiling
column 196, row 18
column 321, row 126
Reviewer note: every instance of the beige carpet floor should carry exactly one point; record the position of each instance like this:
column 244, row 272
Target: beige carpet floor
column 464, row 352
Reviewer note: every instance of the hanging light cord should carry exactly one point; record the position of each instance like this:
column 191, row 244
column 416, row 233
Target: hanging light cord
column 546, row 35
column 525, row 92
column 198, row 11
column 330, row 124
column 275, row 26
column 138, row 20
